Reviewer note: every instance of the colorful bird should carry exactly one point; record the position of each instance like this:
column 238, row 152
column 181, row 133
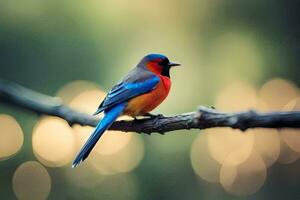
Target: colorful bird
column 142, row 90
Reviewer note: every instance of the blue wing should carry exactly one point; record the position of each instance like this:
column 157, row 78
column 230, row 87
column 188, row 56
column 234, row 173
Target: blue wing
column 136, row 83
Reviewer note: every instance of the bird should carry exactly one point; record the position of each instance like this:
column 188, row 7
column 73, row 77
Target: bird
column 143, row 89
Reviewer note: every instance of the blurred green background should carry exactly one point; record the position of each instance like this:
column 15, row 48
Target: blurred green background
column 45, row 45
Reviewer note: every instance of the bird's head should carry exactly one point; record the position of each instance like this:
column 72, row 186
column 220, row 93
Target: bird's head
column 158, row 64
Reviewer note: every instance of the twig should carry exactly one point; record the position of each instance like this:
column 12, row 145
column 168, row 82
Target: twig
column 204, row 117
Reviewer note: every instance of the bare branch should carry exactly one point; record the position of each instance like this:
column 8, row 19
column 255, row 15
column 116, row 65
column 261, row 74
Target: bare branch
column 204, row 117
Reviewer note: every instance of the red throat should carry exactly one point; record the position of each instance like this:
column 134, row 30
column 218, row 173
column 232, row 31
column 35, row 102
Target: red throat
column 157, row 69
column 166, row 83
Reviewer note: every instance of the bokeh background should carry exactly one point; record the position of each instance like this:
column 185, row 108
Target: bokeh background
column 235, row 55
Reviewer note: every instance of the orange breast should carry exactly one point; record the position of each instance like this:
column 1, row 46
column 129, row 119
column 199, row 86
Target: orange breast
column 147, row 102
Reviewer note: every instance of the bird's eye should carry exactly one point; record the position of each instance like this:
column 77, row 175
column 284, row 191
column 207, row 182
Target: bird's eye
column 164, row 62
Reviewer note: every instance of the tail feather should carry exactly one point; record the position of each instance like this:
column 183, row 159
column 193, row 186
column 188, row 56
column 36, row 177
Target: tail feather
column 108, row 119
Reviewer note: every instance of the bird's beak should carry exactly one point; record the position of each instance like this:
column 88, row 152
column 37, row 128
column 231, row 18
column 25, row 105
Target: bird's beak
column 173, row 64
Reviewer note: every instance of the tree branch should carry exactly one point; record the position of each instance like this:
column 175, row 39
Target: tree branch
column 204, row 117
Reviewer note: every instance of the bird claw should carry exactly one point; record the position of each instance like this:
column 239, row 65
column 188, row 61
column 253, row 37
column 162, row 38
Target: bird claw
column 134, row 120
column 153, row 116
column 157, row 124
column 159, row 116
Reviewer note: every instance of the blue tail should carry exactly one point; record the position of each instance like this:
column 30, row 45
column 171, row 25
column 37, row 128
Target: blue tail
column 110, row 116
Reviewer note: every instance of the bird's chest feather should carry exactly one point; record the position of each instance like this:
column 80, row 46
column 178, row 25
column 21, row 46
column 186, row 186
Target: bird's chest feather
column 147, row 102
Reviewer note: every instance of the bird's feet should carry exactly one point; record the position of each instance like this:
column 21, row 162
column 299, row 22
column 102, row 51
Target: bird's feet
column 135, row 119
column 156, row 122
column 152, row 116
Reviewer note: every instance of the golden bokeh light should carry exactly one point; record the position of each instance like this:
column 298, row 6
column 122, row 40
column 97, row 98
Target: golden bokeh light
column 87, row 101
column 11, row 136
column 292, row 105
column 245, row 178
column 287, row 155
column 31, row 181
column 276, row 93
column 202, row 162
column 223, row 142
column 267, row 145
column 289, row 138
column 292, row 136
column 125, row 160
column 53, row 142
column 111, row 141
column 236, row 97
column 70, row 90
